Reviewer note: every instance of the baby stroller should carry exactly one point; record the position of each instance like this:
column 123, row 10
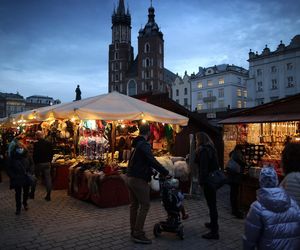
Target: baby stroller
column 170, row 199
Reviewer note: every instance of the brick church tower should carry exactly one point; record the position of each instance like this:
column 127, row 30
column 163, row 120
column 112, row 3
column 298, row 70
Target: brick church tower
column 120, row 50
column 145, row 73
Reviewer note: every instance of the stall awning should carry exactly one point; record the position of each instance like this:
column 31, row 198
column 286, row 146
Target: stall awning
column 261, row 118
column 109, row 107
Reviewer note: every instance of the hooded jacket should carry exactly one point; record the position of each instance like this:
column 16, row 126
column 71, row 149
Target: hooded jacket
column 142, row 161
column 273, row 221
column 291, row 183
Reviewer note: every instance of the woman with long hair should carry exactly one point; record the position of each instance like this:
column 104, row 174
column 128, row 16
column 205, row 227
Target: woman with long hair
column 207, row 161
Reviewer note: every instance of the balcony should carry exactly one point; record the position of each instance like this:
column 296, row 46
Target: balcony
column 209, row 99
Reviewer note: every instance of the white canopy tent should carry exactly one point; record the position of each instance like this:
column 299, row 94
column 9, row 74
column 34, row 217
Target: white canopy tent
column 109, row 107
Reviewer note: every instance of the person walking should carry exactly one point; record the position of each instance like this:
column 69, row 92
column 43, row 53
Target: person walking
column 140, row 170
column 42, row 157
column 291, row 168
column 207, row 160
column 235, row 168
column 273, row 221
column 19, row 168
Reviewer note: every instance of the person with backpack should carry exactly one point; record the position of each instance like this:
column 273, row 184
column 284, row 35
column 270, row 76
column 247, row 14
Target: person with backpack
column 139, row 172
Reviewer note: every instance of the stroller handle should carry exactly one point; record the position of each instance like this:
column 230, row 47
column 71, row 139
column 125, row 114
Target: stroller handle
column 161, row 177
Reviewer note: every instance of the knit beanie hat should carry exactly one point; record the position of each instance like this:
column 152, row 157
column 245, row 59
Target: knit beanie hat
column 268, row 177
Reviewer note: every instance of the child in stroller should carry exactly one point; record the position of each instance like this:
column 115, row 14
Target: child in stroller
column 172, row 200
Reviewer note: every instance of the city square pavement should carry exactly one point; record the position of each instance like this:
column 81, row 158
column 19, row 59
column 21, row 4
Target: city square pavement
column 68, row 223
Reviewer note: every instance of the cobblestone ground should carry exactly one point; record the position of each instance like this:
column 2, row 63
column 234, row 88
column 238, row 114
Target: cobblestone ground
column 68, row 223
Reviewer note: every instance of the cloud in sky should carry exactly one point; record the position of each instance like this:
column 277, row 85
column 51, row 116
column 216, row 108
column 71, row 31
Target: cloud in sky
column 48, row 47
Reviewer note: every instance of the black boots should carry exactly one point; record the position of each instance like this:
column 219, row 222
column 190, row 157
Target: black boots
column 48, row 198
column 211, row 236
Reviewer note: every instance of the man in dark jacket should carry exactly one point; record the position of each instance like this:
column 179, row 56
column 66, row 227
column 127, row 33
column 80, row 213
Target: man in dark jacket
column 42, row 156
column 140, row 170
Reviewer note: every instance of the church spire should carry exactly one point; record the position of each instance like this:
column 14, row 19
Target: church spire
column 120, row 16
column 121, row 8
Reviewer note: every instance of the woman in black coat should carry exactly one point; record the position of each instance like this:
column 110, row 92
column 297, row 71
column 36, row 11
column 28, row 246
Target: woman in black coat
column 207, row 160
column 18, row 169
column 235, row 178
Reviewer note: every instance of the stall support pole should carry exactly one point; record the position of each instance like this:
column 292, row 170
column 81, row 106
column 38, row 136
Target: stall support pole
column 113, row 140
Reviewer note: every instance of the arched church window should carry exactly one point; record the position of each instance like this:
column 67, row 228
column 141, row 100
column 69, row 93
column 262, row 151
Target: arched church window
column 147, row 62
column 147, row 48
column 132, row 87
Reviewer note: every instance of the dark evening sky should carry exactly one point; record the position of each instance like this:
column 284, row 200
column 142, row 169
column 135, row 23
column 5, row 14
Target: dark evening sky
column 47, row 47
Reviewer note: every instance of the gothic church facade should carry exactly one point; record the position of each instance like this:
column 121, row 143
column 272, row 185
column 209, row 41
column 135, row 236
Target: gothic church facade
column 144, row 73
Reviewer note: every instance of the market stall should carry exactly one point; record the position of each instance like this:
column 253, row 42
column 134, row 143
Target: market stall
column 263, row 131
column 93, row 138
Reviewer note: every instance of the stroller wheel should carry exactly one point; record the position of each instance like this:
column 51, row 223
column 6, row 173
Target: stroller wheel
column 157, row 230
column 180, row 233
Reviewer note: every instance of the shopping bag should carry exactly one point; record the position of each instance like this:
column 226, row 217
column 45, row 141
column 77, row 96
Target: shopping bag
column 154, row 184
column 216, row 179
column 233, row 166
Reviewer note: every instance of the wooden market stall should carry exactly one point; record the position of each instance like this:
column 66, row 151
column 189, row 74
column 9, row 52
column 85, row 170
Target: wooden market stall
column 89, row 132
column 263, row 131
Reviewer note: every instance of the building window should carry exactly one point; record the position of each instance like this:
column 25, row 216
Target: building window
column 239, row 104
column 210, row 105
column 200, row 85
column 239, row 80
column 199, row 96
column 199, row 106
column 289, row 66
column 116, row 55
column 209, row 93
column 147, row 62
column 132, row 88
column 273, row 69
column 245, row 104
column 245, row 93
column 185, row 91
column 185, row 101
column 259, row 87
column 221, row 92
column 290, row 82
column 259, row 72
column 239, row 92
column 221, row 103
column 147, row 74
column 209, row 83
column 116, row 45
column 259, row 101
column 177, row 100
column 177, row 92
column 147, row 48
column 117, row 77
column 221, row 81
column 274, row 84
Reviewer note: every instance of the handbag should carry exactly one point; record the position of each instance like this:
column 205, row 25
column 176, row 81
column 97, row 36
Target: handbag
column 233, row 166
column 216, row 179
column 30, row 179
